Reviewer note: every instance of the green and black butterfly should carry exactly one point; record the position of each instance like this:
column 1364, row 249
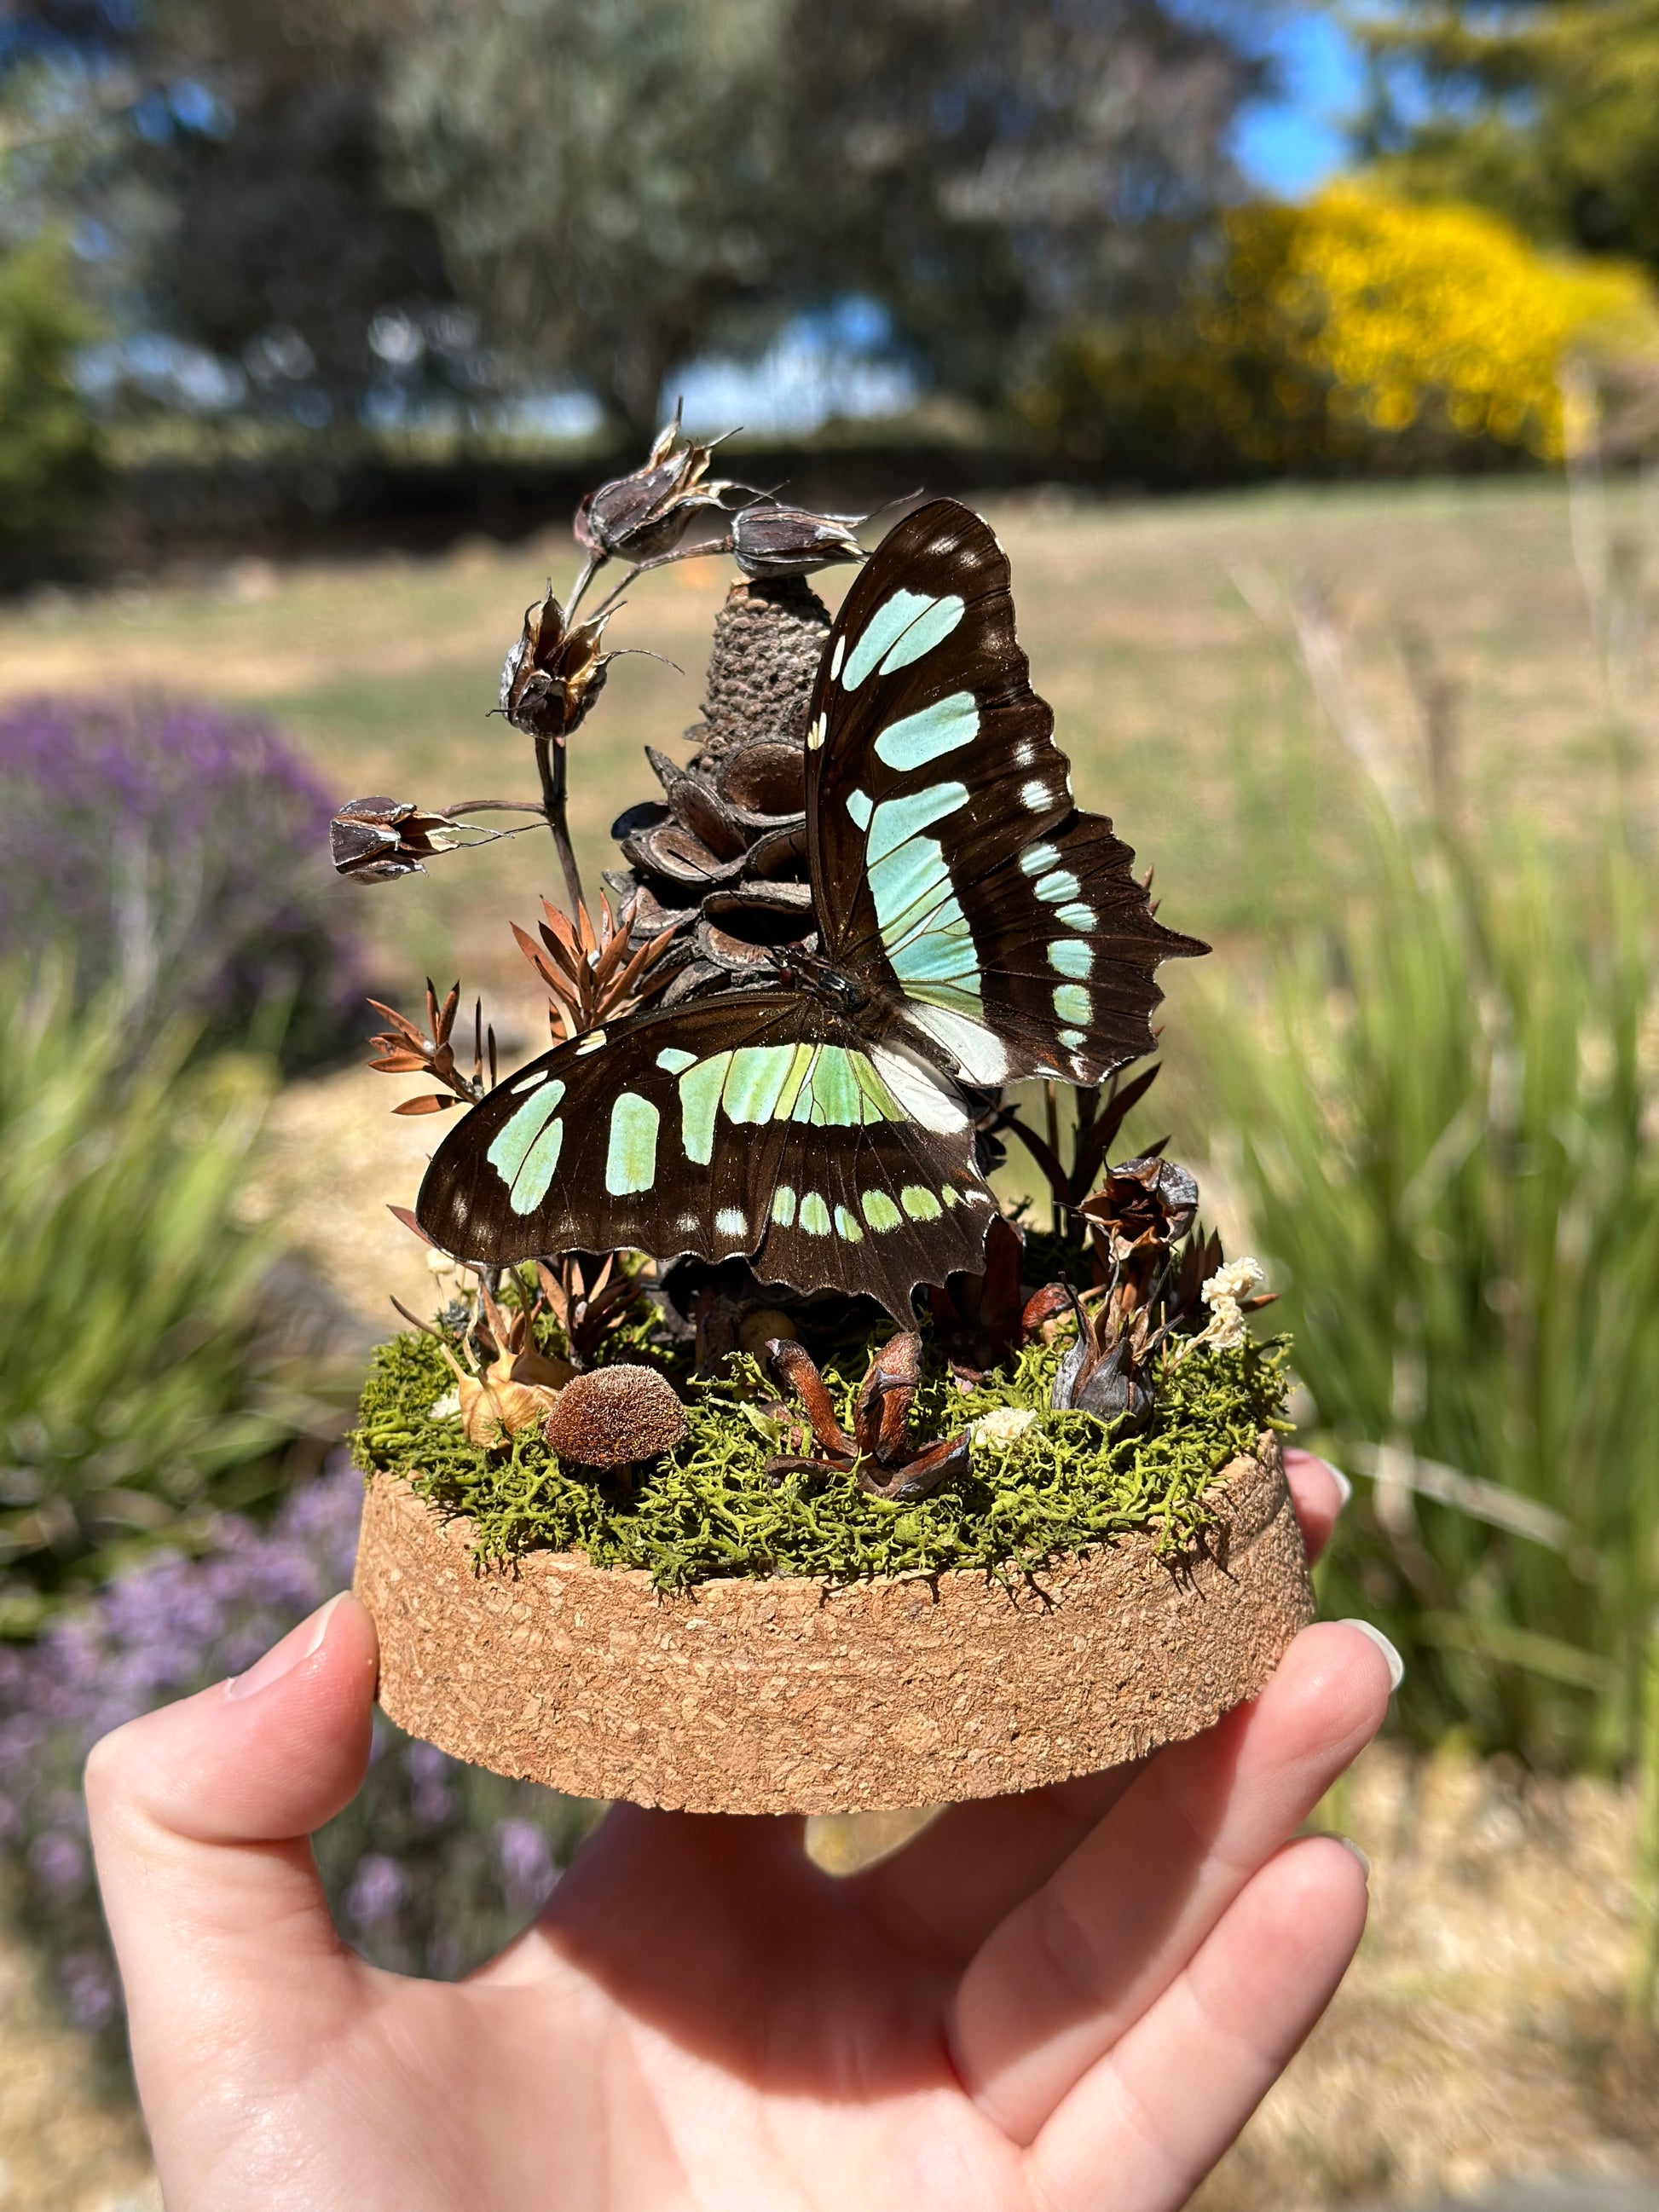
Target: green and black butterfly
column 973, row 927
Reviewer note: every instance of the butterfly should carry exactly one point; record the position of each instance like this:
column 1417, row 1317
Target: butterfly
column 972, row 928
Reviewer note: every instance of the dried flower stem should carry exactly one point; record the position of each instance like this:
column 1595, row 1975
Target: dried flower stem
column 551, row 766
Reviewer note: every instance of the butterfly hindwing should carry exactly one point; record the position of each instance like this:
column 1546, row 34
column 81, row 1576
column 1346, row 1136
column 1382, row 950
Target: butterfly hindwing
column 760, row 1123
column 950, row 865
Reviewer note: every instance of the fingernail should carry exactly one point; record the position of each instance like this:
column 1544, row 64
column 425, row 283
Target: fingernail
column 1349, row 1844
column 1344, row 1486
column 294, row 1648
column 1396, row 1664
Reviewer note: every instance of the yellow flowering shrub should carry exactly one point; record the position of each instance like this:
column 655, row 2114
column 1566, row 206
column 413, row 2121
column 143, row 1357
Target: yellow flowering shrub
column 1337, row 329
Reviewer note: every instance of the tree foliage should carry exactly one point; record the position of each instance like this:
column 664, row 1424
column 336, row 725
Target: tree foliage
column 603, row 179
column 1359, row 330
column 627, row 185
column 1546, row 111
column 50, row 465
column 992, row 171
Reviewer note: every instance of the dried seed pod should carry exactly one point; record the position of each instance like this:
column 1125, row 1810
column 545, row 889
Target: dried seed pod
column 375, row 841
column 614, row 1416
column 553, row 675
column 768, row 539
column 645, row 513
column 1143, row 1203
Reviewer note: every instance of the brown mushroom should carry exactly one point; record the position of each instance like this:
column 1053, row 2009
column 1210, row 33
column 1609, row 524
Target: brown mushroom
column 614, row 1416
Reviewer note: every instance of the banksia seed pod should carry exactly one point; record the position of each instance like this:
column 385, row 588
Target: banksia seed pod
column 720, row 861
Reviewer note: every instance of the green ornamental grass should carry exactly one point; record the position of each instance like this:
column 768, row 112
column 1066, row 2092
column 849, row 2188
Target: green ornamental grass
column 132, row 1394
column 1447, row 1136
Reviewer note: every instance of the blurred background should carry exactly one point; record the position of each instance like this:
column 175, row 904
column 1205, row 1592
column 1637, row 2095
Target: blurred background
column 1308, row 364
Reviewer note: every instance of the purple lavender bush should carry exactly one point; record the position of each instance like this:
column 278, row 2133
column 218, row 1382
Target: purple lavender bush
column 172, row 848
column 431, row 1869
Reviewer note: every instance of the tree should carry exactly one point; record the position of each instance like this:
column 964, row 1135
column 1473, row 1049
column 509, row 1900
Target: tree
column 1546, row 111
column 627, row 185
column 605, row 179
column 994, row 170
column 50, row 470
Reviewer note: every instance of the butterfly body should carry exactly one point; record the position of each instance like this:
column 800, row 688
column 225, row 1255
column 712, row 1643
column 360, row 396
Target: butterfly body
column 972, row 928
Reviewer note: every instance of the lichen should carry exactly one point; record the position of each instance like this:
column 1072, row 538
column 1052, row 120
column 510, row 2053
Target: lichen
column 708, row 1508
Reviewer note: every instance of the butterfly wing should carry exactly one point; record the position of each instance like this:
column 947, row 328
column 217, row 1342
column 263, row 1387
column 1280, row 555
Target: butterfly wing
column 759, row 1124
column 950, row 865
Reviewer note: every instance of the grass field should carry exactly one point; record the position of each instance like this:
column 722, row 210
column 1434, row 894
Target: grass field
column 1159, row 631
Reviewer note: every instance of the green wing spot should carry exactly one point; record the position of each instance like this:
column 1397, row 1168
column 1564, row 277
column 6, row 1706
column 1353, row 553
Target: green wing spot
column 923, row 634
column 783, row 1206
column 814, row 1215
column 837, row 1101
column 700, row 1098
column 1071, row 1039
column 1072, row 1003
column 878, row 1103
column 1071, row 957
column 755, row 1081
column 515, row 1137
column 949, row 1196
column 883, row 631
column 921, row 1204
column 921, row 737
column 790, row 1096
column 530, row 1184
column 631, row 1163
column 846, row 1226
column 675, row 1062
column 879, row 1210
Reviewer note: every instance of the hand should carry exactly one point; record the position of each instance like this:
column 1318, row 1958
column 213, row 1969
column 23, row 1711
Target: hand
column 1066, row 2000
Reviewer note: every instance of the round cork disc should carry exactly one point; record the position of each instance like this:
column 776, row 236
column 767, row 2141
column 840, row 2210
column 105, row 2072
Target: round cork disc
column 796, row 1695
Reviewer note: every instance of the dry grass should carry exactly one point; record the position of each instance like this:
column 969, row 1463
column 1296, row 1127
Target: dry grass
column 1185, row 713
column 65, row 2145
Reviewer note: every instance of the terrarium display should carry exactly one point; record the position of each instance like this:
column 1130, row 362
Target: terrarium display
column 769, row 1453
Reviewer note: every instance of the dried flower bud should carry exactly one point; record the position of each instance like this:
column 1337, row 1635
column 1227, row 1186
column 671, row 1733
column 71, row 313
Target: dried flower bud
column 375, row 841
column 637, row 517
column 1143, row 1203
column 1002, row 1427
column 770, row 540
column 553, row 675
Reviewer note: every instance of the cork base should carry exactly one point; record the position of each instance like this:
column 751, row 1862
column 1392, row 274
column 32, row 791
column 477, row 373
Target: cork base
column 796, row 1695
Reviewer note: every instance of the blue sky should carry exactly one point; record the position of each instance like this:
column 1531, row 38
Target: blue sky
column 1291, row 145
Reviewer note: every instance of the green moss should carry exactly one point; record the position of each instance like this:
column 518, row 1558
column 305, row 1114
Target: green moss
column 708, row 1508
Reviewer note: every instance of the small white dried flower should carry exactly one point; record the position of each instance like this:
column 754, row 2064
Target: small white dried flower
column 1226, row 1327
column 1006, row 1427
column 1238, row 1279
column 439, row 1263
column 446, row 1408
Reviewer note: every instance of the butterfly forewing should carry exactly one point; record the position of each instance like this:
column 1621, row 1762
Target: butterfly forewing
column 950, row 865
column 759, row 1124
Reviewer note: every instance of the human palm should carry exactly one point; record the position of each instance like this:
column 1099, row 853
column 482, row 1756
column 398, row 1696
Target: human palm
column 1065, row 1999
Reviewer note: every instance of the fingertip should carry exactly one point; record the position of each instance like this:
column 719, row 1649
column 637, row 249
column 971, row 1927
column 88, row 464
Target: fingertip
column 1343, row 1669
column 1323, row 1884
column 272, row 1753
column 1318, row 1492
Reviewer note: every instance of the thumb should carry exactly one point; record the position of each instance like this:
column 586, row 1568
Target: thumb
column 201, row 1815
